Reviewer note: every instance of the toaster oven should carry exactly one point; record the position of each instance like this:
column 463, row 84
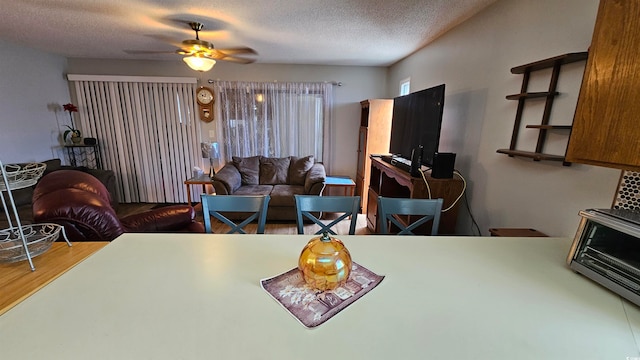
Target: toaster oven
column 606, row 249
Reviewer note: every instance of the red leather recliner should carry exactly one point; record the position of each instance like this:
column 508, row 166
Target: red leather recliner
column 81, row 203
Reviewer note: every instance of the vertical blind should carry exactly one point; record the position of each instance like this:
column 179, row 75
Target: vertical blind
column 147, row 132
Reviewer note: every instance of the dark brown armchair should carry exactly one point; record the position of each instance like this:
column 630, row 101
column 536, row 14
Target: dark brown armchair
column 81, row 203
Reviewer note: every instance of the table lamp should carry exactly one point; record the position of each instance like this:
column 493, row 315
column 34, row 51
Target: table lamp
column 210, row 151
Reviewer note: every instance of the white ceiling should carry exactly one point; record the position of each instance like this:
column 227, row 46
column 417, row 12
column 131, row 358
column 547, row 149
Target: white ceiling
column 327, row 32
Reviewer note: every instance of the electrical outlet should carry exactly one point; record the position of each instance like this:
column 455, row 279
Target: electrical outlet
column 212, row 134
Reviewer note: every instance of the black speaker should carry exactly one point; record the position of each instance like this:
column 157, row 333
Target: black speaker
column 90, row 141
column 416, row 160
column 443, row 164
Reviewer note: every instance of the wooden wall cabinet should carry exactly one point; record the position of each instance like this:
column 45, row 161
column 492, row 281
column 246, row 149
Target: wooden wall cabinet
column 391, row 181
column 606, row 126
column 373, row 138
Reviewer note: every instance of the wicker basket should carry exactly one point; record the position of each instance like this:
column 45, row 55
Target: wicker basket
column 39, row 238
column 21, row 175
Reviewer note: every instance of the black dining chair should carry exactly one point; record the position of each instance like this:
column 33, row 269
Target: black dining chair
column 307, row 206
column 215, row 205
column 388, row 208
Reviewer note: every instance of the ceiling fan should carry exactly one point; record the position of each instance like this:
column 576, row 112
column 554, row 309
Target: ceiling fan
column 201, row 55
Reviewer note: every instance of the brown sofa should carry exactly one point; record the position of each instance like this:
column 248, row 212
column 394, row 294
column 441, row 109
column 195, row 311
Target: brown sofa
column 281, row 178
column 80, row 203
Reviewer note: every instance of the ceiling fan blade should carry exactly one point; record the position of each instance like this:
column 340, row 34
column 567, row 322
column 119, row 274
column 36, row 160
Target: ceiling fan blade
column 238, row 50
column 223, row 56
column 238, row 60
column 140, row 52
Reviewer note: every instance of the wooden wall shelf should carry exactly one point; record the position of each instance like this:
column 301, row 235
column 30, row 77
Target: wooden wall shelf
column 550, row 127
column 555, row 63
column 532, row 155
column 547, row 63
column 531, row 95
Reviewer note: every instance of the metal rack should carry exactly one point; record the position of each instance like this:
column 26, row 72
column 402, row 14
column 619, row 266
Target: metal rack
column 23, row 242
column 84, row 155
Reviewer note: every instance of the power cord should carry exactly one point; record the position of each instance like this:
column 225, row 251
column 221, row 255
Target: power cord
column 462, row 193
column 426, row 182
column 473, row 220
column 464, row 188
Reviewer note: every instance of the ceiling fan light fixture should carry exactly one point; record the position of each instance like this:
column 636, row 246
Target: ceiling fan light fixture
column 199, row 63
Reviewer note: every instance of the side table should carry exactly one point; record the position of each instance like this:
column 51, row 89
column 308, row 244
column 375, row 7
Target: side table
column 343, row 182
column 198, row 180
column 84, row 155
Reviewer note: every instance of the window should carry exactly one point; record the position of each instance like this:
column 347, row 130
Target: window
column 274, row 119
column 405, row 86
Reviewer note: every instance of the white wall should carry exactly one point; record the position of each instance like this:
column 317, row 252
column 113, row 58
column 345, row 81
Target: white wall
column 359, row 83
column 474, row 61
column 32, row 90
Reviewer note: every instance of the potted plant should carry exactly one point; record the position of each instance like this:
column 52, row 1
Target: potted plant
column 76, row 135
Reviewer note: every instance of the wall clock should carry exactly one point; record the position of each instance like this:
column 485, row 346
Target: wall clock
column 205, row 99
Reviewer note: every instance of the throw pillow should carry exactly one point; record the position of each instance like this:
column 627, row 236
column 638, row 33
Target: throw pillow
column 274, row 171
column 249, row 168
column 299, row 168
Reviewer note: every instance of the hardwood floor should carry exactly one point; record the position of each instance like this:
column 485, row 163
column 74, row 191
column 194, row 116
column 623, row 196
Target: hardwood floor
column 272, row 227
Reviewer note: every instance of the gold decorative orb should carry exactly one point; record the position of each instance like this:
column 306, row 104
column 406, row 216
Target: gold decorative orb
column 325, row 263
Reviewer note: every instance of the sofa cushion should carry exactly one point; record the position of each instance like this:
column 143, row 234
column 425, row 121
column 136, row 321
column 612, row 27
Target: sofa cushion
column 249, row 168
column 282, row 195
column 227, row 180
column 274, row 170
column 314, row 182
column 254, row 190
column 299, row 168
column 52, row 165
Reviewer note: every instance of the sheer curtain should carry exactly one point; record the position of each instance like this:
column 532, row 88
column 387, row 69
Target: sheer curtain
column 275, row 119
column 147, row 132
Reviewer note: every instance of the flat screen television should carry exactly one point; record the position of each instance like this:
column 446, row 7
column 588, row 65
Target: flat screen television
column 417, row 118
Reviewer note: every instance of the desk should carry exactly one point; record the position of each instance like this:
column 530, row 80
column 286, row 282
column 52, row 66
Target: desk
column 391, row 181
column 343, row 182
column 17, row 281
column 199, row 180
column 197, row 296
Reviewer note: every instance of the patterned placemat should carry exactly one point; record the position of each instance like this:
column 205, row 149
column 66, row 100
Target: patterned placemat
column 312, row 307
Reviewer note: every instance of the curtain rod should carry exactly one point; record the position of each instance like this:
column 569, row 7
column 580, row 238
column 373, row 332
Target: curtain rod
column 125, row 78
column 337, row 83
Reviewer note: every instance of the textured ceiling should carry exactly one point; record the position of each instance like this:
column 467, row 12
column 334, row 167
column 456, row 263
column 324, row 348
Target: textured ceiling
column 328, row 32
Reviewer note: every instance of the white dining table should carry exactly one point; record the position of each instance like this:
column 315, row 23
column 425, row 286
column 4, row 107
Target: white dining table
column 198, row 296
